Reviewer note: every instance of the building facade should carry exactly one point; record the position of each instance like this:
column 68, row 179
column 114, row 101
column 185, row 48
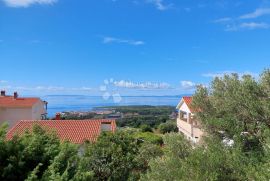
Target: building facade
column 186, row 122
column 15, row 108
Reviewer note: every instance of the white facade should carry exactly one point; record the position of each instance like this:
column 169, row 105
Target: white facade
column 186, row 123
column 12, row 115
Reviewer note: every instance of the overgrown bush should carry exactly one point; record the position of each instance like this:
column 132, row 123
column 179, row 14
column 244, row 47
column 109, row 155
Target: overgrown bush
column 239, row 108
column 146, row 128
column 168, row 127
column 40, row 155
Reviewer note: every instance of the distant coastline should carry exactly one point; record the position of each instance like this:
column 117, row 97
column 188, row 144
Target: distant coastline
column 62, row 103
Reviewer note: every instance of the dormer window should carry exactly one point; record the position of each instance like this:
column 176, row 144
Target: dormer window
column 106, row 126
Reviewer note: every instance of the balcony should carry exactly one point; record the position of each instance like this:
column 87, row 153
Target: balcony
column 184, row 127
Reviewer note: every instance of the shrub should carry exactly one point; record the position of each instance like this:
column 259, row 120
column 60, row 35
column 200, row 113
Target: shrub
column 149, row 137
column 168, row 127
column 146, row 128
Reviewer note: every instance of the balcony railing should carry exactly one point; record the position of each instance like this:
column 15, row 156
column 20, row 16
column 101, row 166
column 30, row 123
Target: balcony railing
column 184, row 126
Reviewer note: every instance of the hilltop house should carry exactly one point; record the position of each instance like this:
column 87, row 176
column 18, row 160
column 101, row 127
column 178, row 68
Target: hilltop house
column 15, row 108
column 186, row 122
column 75, row 131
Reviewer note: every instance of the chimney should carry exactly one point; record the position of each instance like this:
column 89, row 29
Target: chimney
column 58, row 116
column 3, row 93
column 15, row 95
column 46, row 105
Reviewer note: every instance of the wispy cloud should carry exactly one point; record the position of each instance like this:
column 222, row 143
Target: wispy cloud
column 27, row 3
column 49, row 89
column 247, row 26
column 3, row 81
column 160, row 5
column 253, row 25
column 222, row 20
column 228, row 72
column 240, row 23
column 109, row 39
column 188, row 85
column 56, row 88
column 257, row 13
column 141, row 85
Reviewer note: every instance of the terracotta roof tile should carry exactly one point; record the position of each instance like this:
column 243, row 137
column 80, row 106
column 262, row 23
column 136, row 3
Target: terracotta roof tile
column 188, row 101
column 9, row 101
column 75, row 131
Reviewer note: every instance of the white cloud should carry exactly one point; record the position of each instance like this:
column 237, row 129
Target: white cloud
column 27, row 3
column 160, row 5
column 5, row 87
column 257, row 13
column 236, row 24
column 247, row 26
column 50, row 88
column 3, row 81
column 47, row 88
column 108, row 40
column 56, row 88
column 222, row 20
column 141, row 85
column 188, row 85
column 39, row 88
column 87, row 88
column 253, row 25
column 228, row 72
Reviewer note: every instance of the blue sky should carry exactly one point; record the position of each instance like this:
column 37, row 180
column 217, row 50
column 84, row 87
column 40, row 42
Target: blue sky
column 134, row 47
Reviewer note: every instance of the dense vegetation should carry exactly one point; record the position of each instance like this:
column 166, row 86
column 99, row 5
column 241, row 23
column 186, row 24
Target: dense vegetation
column 40, row 155
column 169, row 126
column 136, row 116
column 144, row 110
column 232, row 108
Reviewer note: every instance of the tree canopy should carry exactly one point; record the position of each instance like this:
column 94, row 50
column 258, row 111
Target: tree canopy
column 232, row 107
column 39, row 155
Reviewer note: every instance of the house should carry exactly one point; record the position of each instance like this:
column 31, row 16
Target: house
column 186, row 122
column 15, row 108
column 75, row 131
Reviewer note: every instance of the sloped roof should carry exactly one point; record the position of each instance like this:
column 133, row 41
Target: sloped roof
column 188, row 101
column 75, row 131
column 10, row 102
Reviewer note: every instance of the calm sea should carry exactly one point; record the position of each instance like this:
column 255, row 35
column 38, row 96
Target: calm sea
column 60, row 103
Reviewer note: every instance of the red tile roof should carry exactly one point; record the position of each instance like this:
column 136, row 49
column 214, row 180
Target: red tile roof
column 188, row 101
column 75, row 131
column 10, row 102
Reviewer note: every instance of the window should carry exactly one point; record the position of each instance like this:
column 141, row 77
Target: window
column 183, row 115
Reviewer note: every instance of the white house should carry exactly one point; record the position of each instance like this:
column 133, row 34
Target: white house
column 15, row 108
column 186, row 122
